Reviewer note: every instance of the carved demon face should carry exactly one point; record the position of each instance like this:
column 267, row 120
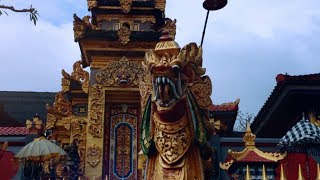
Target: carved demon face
column 171, row 73
column 124, row 77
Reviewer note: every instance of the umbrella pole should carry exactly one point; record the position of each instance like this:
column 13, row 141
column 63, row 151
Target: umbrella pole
column 32, row 166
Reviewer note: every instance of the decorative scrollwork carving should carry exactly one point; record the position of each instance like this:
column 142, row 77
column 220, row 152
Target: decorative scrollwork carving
column 202, row 92
column 93, row 155
column 172, row 145
column 61, row 106
column 160, row 4
column 96, row 110
column 92, row 4
column 125, row 5
column 121, row 73
column 124, row 34
column 78, row 128
column 51, row 121
column 80, row 26
column 170, row 26
column 79, row 75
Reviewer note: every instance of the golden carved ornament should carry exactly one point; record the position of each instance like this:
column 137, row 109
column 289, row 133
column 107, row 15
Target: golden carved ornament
column 65, row 81
column 145, row 88
column 249, row 137
column 93, row 155
column 122, row 73
column 160, row 4
column 80, row 26
column 226, row 165
column 170, row 26
column 51, row 121
column 202, row 92
column 172, row 146
column 124, row 34
column 129, row 20
column 78, row 129
column 61, row 106
column 172, row 139
column 125, row 5
column 96, row 110
column 92, row 4
column 79, row 75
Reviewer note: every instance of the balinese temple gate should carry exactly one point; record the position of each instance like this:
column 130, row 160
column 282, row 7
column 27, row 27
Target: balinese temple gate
column 101, row 112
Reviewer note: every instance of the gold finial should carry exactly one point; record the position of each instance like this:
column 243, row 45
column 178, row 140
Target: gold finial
column 249, row 138
column 318, row 172
column 300, row 177
column 282, row 174
column 264, row 174
column 248, row 175
column 167, row 45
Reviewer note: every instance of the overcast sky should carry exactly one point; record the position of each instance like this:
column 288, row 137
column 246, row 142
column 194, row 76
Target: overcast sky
column 247, row 44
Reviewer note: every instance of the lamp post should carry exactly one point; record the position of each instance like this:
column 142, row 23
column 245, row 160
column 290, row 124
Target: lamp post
column 211, row 5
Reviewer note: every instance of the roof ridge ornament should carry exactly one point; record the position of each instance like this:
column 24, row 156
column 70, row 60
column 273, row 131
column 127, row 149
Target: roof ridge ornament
column 249, row 138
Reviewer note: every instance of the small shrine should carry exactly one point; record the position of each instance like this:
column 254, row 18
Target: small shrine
column 251, row 161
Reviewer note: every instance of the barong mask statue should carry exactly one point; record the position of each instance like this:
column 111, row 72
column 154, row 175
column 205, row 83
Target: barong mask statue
column 175, row 96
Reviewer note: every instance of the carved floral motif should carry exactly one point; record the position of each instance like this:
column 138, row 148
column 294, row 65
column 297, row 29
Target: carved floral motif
column 170, row 26
column 125, row 5
column 172, row 146
column 160, row 4
column 61, row 106
column 121, row 73
column 124, row 34
column 92, row 4
column 80, row 26
column 202, row 91
column 79, row 75
column 93, row 155
column 78, row 128
column 96, row 110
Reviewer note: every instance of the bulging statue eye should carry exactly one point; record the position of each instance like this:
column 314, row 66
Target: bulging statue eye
column 176, row 69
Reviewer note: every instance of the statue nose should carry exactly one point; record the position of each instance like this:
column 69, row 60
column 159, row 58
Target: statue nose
column 213, row 5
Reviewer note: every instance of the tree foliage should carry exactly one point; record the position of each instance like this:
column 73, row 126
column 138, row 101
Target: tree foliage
column 33, row 13
column 242, row 120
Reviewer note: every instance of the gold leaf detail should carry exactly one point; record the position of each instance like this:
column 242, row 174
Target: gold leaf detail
column 122, row 73
column 160, row 4
column 93, row 155
column 125, row 5
column 124, row 34
column 96, row 110
column 92, row 4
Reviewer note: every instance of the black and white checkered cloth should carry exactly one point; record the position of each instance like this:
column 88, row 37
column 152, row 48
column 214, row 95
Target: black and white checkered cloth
column 302, row 133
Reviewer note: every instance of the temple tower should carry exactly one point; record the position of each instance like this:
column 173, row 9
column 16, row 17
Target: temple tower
column 113, row 44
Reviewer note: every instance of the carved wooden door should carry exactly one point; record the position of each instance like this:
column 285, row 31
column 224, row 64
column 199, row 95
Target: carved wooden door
column 121, row 150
